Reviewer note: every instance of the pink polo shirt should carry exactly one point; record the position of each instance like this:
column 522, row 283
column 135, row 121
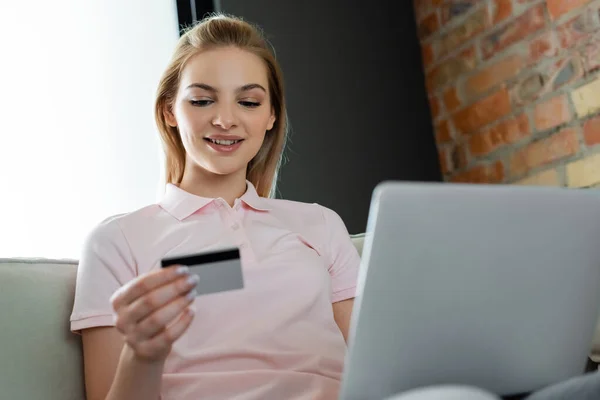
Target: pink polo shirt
column 274, row 339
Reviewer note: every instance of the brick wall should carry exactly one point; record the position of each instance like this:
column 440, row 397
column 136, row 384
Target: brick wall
column 514, row 89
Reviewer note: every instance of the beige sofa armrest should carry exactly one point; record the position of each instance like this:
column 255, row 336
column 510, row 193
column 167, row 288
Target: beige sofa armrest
column 41, row 358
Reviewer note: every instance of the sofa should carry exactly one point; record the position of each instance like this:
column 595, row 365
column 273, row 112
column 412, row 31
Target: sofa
column 39, row 357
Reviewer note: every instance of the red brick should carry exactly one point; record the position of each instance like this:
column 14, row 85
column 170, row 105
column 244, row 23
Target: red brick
column 472, row 25
column 459, row 156
column 427, row 54
column 543, row 46
column 591, row 131
column 560, row 145
column 451, row 69
column 422, row 9
column 507, row 132
column 552, row 113
column 429, row 25
column 452, row 156
column 591, row 56
column 556, row 8
column 520, row 6
column 546, row 78
column 531, row 21
column 577, row 29
column 434, row 106
column 442, row 132
column 483, row 112
column 455, row 8
column 482, row 173
column 528, row 88
column 493, row 75
column 451, row 99
column 501, row 10
column 444, row 158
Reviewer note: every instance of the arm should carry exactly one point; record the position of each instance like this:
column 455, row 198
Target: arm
column 152, row 312
column 342, row 312
column 344, row 261
column 111, row 370
column 149, row 313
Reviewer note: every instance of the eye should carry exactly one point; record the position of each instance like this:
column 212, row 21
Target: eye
column 201, row 103
column 249, row 104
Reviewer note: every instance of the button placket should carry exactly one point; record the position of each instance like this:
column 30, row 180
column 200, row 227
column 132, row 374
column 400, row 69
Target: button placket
column 243, row 241
column 235, row 216
column 231, row 218
column 234, row 223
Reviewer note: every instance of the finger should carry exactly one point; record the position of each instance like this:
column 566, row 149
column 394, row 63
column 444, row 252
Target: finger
column 157, row 298
column 142, row 284
column 163, row 317
column 169, row 335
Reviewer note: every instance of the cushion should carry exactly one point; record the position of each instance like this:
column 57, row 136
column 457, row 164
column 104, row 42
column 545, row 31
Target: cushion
column 41, row 358
column 358, row 241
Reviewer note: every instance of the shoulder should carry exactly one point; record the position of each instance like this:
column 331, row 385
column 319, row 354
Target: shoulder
column 114, row 229
column 306, row 214
column 298, row 209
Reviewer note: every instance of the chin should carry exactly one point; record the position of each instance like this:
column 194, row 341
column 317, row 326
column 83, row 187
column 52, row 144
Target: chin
column 223, row 170
column 220, row 165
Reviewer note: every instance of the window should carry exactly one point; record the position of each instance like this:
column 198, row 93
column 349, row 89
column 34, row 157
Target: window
column 78, row 141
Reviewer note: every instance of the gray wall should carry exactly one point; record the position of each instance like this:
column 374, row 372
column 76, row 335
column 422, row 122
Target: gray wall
column 356, row 98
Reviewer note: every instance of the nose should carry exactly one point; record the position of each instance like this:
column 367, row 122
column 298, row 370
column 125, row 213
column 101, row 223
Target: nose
column 224, row 117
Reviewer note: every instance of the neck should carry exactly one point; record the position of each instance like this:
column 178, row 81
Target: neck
column 206, row 184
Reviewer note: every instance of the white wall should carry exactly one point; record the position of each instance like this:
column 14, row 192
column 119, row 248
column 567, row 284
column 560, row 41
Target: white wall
column 78, row 141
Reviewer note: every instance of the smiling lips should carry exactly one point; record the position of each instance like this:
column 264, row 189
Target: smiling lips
column 224, row 145
column 224, row 142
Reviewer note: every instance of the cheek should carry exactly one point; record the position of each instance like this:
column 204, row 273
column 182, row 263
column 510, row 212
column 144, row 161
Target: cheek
column 189, row 138
column 258, row 125
column 191, row 133
column 186, row 119
column 189, row 143
column 192, row 125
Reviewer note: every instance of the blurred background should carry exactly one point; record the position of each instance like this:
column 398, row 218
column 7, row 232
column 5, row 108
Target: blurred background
column 78, row 79
column 478, row 91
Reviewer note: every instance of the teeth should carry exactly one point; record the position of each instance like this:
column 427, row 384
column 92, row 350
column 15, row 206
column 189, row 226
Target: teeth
column 224, row 142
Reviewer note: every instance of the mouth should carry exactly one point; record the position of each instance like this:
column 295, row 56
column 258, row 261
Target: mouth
column 222, row 142
column 224, row 146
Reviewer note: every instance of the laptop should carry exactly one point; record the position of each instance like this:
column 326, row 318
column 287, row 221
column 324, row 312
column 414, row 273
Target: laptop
column 491, row 286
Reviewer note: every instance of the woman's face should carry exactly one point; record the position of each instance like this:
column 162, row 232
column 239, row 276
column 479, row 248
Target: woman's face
column 222, row 109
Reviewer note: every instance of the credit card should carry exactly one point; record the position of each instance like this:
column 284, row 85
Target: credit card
column 218, row 271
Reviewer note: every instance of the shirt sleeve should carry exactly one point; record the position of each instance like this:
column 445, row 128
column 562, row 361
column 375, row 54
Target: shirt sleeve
column 344, row 260
column 106, row 264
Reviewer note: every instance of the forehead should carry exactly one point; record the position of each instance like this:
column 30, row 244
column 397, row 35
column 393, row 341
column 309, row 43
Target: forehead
column 225, row 68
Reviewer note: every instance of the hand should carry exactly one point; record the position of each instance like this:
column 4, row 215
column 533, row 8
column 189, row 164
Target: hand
column 152, row 311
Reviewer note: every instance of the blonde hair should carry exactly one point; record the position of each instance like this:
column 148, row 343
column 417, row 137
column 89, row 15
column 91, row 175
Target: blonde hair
column 219, row 30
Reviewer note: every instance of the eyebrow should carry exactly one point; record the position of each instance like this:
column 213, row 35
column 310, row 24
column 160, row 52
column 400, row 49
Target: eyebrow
column 244, row 88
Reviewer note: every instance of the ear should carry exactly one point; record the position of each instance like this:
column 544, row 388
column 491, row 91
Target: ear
column 169, row 116
column 271, row 122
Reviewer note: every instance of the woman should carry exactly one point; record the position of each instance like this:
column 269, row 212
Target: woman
column 221, row 113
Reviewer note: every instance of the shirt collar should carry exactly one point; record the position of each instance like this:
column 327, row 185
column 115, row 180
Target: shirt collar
column 253, row 200
column 182, row 204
